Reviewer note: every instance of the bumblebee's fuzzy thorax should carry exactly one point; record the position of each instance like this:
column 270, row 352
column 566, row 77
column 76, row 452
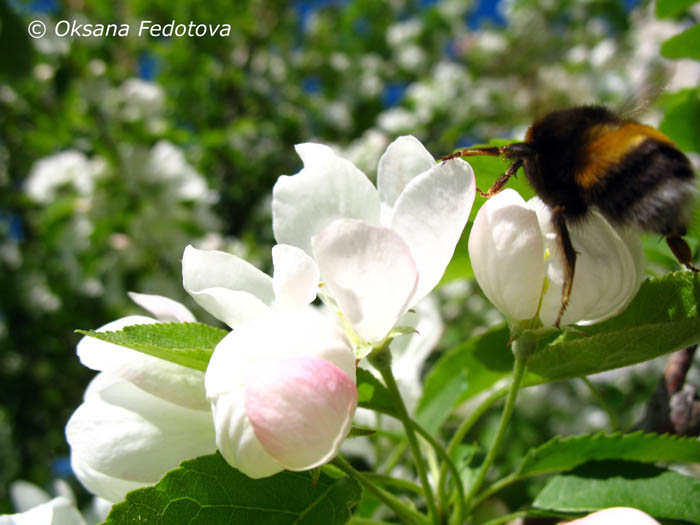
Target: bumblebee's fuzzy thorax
column 588, row 157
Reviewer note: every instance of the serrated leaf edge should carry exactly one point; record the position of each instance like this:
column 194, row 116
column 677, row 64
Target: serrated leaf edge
column 533, row 452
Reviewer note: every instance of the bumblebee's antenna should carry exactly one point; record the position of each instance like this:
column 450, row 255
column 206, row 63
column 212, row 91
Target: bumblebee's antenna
column 518, row 151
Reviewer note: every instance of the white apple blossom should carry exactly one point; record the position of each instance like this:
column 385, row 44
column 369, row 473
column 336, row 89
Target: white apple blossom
column 141, row 416
column 379, row 250
column 58, row 511
column 616, row 516
column 282, row 383
column 516, row 260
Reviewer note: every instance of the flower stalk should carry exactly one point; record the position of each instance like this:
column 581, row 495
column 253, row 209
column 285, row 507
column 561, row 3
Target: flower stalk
column 406, row 514
column 522, row 348
column 380, row 358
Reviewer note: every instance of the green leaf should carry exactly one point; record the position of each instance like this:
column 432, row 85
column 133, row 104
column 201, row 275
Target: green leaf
column 663, row 317
column 207, row 491
column 462, row 373
column 562, row 454
column 684, row 45
column 679, row 121
column 186, row 344
column 671, row 8
column 599, row 485
column 460, row 266
column 372, row 394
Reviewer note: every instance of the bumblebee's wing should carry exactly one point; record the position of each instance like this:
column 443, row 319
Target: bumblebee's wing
column 640, row 102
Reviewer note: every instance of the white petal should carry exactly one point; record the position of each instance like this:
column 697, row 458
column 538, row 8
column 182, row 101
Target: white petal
column 163, row 308
column 506, row 249
column 369, row 272
column 295, row 279
column 235, row 437
column 411, row 350
column 605, row 277
column 25, row 495
column 58, row 511
column 121, row 437
column 169, row 381
column 301, row 409
column 616, row 516
column 329, row 187
column 231, row 289
column 430, row 215
column 276, row 336
column 404, row 159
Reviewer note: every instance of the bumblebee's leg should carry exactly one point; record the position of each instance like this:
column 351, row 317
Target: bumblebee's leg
column 501, row 181
column 559, row 222
column 681, row 251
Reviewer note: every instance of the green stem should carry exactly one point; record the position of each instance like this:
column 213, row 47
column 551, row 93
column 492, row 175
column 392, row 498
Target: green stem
column 388, row 481
column 522, row 348
column 446, row 461
column 406, row 514
column 495, row 487
column 380, row 358
column 612, row 417
column 465, row 427
column 367, row 521
column 394, row 457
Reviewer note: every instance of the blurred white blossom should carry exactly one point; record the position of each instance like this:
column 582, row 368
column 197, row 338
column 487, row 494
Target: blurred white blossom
column 71, row 168
column 167, row 162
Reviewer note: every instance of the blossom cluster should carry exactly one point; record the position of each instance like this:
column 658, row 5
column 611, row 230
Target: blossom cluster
column 280, row 390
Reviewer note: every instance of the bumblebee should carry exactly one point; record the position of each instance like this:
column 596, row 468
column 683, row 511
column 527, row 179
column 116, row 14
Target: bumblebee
column 589, row 157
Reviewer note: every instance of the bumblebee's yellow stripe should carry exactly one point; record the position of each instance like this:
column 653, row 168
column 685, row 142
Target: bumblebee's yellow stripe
column 608, row 144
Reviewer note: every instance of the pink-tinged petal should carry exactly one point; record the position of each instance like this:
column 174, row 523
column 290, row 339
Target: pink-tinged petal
column 430, row 215
column 275, row 336
column 295, row 279
column 278, row 335
column 329, row 187
column 404, row 159
column 605, row 278
column 506, row 249
column 121, row 437
column 231, row 289
column 174, row 383
column 163, row 308
column 369, row 272
column 301, row 410
column 616, row 516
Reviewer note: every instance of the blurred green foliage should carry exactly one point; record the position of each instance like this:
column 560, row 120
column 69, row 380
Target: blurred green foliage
column 184, row 137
